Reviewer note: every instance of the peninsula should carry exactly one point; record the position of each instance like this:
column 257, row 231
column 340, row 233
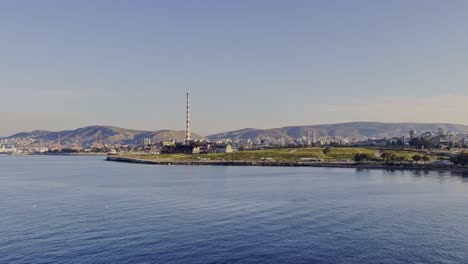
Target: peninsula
column 311, row 157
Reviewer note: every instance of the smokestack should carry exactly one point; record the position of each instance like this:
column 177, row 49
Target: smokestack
column 187, row 123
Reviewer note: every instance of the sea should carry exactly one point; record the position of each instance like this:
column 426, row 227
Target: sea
column 81, row 209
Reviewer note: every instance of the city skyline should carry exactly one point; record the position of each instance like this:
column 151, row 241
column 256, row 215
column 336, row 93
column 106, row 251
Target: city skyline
column 261, row 64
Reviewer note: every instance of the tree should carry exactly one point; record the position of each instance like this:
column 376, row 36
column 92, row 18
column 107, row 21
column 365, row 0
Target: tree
column 426, row 142
column 400, row 158
column 460, row 159
column 327, row 150
column 362, row 157
column 415, row 142
column 417, row 158
column 389, row 156
column 426, row 158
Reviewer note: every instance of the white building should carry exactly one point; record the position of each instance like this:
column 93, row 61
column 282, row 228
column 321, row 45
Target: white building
column 4, row 148
column 221, row 149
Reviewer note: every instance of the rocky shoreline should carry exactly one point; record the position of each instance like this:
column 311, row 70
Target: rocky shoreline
column 357, row 165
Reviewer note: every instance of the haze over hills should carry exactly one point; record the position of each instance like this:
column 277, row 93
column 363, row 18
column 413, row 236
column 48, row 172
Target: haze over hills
column 352, row 129
column 86, row 136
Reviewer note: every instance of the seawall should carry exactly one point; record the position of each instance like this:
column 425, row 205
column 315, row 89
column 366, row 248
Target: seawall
column 290, row 164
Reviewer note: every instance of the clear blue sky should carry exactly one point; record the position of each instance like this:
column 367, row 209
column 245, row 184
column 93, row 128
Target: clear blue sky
column 246, row 63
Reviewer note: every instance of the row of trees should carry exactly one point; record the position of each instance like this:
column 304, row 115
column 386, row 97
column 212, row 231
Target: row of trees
column 461, row 159
column 388, row 157
column 364, row 157
column 418, row 158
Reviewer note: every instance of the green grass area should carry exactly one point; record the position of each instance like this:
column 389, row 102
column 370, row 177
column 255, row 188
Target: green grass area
column 347, row 153
column 295, row 154
column 275, row 154
column 288, row 154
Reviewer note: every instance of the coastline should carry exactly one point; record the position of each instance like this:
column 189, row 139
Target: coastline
column 55, row 154
column 354, row 165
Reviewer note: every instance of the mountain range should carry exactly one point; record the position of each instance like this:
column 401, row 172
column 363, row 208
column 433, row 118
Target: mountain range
column 351, row 129
column 87, row 136
column 90, row 135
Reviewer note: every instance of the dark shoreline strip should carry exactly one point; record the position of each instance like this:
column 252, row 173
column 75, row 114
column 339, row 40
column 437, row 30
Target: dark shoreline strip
column 424, row 167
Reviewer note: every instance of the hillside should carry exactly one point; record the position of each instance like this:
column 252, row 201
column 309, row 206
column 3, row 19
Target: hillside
column 354, row 129
column 86, row 136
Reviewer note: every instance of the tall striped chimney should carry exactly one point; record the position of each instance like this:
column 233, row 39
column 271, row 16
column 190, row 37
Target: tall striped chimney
column 187, row 122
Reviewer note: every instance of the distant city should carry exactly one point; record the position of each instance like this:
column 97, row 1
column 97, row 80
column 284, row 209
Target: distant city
column 439, row 139
column 100, row 139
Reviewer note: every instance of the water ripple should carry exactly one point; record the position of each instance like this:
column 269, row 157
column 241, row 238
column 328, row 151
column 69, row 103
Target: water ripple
column 85, row 210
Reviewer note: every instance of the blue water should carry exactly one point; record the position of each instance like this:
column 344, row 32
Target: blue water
column 86, row 210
